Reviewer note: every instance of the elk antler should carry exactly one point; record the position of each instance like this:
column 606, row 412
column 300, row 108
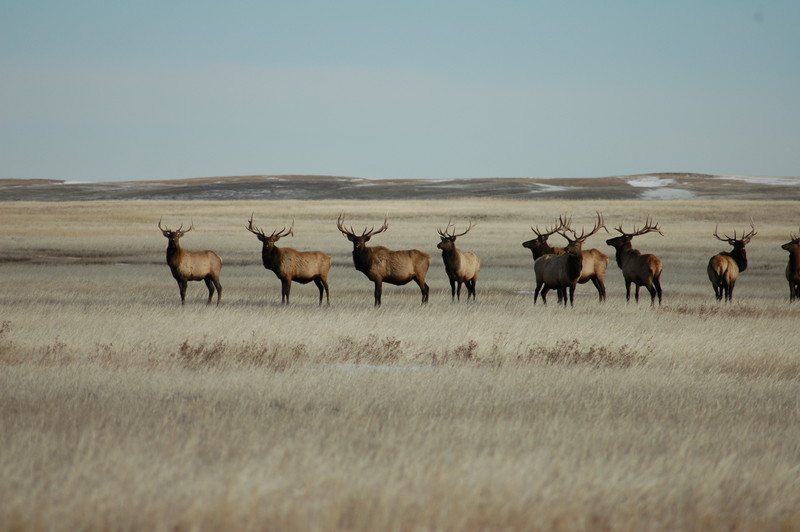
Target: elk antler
column 253, row 228
column 179, row 232
column 745, row 238
column 371, row 232
column 567, row 223
column 547, row 231
column 454, row 235
column 648, row 228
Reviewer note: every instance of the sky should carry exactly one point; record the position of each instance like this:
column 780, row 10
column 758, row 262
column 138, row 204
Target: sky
column 171, row 89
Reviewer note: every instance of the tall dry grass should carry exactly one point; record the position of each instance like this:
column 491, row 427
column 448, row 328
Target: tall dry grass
column 120, row 409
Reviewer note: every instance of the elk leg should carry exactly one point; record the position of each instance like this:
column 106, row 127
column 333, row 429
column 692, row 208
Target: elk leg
column 544, row 295
column 182, row 289
column 452, row 289
column 210, row 286
column 471, row 288
column 377, row 293
column 637, row 293
column 286, row 286
column 657, row 284
column 601, row 288
column 627, row 290
column 322, row 286
column 571, row 296
column 425, row 289
column 458, row 291
column 730, row 291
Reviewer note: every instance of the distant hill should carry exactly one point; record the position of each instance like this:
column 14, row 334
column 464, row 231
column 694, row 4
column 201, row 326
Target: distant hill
column 657, row 186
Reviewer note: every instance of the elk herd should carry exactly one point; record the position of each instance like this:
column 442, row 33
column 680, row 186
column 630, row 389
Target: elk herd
column 555, row 268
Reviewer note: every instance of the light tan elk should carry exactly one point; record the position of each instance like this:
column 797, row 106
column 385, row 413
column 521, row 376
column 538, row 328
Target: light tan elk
column 793, row 268
column 595, row 262
column 461, row 267
column 382, row 265
column 291, row 265
column 192, row 265
column 562, row 272
column 641, row 270
column 724, row 268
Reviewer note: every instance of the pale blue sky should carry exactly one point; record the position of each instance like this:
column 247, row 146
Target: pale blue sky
column 107, row 90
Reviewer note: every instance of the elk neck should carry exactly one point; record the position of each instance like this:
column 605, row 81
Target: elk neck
column 794, row 255
column 270, row 256
column 739, row 255
column 362, row 258
column 574, row 261
column 174, row 251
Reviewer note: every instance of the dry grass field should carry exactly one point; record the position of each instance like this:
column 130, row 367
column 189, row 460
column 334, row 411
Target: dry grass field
column 120, row 409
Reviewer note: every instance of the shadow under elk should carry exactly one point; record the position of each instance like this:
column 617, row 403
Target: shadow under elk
column 724, row 267
column 561, row 272
column 461, row 267
column 641, row 270
column 291, row 265
column 793, row 268
column 595, row 262
column 192, row 265
column 382, row 265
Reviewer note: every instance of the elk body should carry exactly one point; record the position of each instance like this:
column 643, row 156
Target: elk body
column 192, row 265
column 724, row 268
column 562, row 272
column 382, row 265
column 793, row 268
column 595, row 262
column 638, row 269
column 291, row 265
column 461, row 267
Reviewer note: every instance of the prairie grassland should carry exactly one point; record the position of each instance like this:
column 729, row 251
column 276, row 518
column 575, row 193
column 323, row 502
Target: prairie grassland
column 120, row 409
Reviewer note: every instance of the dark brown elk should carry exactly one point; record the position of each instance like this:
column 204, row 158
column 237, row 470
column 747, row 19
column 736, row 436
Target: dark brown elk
column 192, row 265
column 291, row 265
column 793, row 268
column 562, row 272
column 382, row 265
column 724, row 268
column 461, row 267
column 641, row 270
column 595, row 262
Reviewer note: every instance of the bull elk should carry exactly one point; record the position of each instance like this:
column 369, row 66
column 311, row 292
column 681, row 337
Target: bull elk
column 382, row 265
column 192, row 265
column 291, row 265
column 641, row 270
column 562, row 271
column 793, row 268
column 724, row 268
column 595, row 262
column 461, row 267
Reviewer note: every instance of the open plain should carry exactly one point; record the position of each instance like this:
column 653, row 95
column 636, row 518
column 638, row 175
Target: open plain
column 120, row 409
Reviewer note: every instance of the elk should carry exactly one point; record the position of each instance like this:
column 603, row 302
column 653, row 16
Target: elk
column 724, row 268
column 595, row 262
column 461, row 267
column 291, row 265
column 192, row 265
column 641, row 270
column 382, row 265
column 562, row 271
column 793, row 268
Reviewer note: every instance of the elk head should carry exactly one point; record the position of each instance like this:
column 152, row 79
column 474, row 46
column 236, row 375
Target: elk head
column 269, row 241
column 360, row 241
column 448, row 242
column 738, row 243
column 624, row 240
column 539, row 245
column 174, row 236
column 576, row 243
column 793, row 244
